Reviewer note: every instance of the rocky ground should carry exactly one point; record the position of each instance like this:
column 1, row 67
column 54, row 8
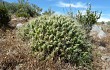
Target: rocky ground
column 16, row 54
column 101, row 52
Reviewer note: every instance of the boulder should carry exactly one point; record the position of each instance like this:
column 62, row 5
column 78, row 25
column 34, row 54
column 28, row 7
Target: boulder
column 97, row 32
column 101, row 34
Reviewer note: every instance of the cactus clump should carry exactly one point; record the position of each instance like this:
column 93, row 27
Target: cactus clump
column 59, row 36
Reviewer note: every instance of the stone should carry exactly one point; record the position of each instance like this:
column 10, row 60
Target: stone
column 97, row 32
column 101, row 34
column 19, row 25
column 14, row 19
column 101, row 48
column 106, row 58
column 17, row 68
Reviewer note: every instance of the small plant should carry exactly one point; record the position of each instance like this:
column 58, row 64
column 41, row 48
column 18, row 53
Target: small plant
column 88, row 19
column 49, row 12
column 22, row 14
column 58, row 37
column 27, row 10
column 4, row 16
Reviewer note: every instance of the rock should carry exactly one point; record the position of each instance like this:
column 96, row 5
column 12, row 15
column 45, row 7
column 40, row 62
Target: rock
column 98, row 32
column 17, row 68
column 14, row 19
column 105, row 23
column 19, row 25
column 106, row 58
column 96, row 28
column 101, row 34
column 22, row 19
column 101, row 48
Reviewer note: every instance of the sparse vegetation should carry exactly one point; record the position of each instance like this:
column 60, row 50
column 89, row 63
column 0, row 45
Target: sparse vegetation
column 23, row 9
column 27, row 10
column 49, row 12
column 88, row 19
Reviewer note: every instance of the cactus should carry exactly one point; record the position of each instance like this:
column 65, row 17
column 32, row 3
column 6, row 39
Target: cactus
column 59, row 36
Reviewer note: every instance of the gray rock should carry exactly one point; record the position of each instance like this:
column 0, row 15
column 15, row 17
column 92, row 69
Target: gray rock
column 19, row 25
column 101, row 48
column 97, row 31
column 18, row 67
column 101, row 34
column 96, row 28
column 106, row 58
column 14, row 19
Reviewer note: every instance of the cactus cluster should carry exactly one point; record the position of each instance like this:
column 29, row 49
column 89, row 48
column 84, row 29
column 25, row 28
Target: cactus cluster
column 58, row 36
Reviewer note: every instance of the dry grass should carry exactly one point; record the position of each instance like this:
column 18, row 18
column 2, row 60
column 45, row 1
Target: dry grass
column 16, row 55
